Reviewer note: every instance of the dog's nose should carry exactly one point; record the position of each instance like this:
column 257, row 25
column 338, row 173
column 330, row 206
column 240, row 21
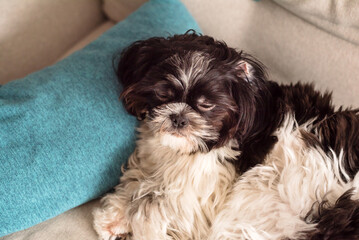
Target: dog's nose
column 178, row 120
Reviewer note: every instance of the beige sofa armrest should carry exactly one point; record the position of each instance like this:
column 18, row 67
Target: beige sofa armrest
column 34, row 34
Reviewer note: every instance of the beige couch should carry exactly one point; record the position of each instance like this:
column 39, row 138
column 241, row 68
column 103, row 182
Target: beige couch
column 311, row 41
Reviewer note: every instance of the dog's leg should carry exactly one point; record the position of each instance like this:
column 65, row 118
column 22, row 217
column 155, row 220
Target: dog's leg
column 149, row 218
column 110, row 221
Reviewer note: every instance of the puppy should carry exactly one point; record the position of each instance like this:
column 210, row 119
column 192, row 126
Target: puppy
column 208, row 115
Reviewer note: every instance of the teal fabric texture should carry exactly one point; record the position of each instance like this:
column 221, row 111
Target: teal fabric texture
column 64, row 134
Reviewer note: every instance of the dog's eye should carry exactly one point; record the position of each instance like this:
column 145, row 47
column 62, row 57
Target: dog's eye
column 161, row 96
column 164, row 96
column 204, row 105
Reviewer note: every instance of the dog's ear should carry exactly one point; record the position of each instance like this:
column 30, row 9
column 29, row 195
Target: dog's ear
column 250, row 92
column 245, row 70
column 250, row 69
column 136, row 61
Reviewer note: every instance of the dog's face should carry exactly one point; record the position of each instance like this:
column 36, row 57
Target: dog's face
column 193, row 92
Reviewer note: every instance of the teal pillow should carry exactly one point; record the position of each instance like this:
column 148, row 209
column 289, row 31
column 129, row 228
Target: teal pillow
column 63, row 132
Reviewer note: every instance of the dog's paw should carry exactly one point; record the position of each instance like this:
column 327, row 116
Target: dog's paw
column 121, row 237
column 117, row 230
column 112, row 234
column 110, row 226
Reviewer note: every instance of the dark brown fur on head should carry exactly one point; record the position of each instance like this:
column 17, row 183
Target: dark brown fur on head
column 234, row 81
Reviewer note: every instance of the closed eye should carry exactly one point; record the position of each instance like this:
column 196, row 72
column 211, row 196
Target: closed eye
column 164, row 95
column 203, row 105
column 161, row 96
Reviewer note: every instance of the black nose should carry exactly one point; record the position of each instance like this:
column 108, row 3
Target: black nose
column 178, row 120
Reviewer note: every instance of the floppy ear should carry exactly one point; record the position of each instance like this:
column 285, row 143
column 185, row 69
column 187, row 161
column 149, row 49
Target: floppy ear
column 245, row 70
column 250, row 69
column 136, row 60
column 251, row 93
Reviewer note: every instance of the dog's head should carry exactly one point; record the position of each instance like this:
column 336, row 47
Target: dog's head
column 193, row 92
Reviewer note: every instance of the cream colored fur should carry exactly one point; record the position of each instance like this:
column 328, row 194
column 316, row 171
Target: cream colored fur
column 167, row 192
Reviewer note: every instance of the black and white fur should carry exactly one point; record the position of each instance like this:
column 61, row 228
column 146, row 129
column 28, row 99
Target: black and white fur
column 224, row 153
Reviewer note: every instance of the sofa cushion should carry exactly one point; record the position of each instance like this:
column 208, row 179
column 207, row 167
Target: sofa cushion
column 116, row 10
column 35, row 33
column 63, row 133
column 98, row 31
column 340, row 18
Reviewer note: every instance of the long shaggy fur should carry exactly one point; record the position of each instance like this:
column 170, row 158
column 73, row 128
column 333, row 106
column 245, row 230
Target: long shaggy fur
column 339, row 220
column 297, row 193
column 225, row 153
column 165, row 193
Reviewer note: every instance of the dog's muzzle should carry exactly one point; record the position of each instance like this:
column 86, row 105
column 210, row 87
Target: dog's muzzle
column 179, row 120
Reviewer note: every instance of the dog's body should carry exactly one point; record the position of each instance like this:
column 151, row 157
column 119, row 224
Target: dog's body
column 167, row 195
column 209, row 115
column 299, row 192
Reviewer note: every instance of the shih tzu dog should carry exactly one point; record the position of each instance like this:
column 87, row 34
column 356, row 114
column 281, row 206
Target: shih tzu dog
column 224, row 153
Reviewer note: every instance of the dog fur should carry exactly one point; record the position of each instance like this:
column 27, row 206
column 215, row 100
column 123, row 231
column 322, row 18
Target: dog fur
column 225, row 153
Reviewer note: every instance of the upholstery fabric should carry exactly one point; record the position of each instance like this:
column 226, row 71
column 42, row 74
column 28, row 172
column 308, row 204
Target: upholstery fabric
column 340, row 18
column 34, row 34
column 116, row 10
column 98, row 31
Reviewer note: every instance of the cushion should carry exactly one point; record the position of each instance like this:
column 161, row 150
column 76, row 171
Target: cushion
column 340, row 18
column 35, row 33
column 116, row 10
column 98, row 31
column 63, row 132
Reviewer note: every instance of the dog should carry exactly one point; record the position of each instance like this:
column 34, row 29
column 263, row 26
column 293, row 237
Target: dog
column 225, row 153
